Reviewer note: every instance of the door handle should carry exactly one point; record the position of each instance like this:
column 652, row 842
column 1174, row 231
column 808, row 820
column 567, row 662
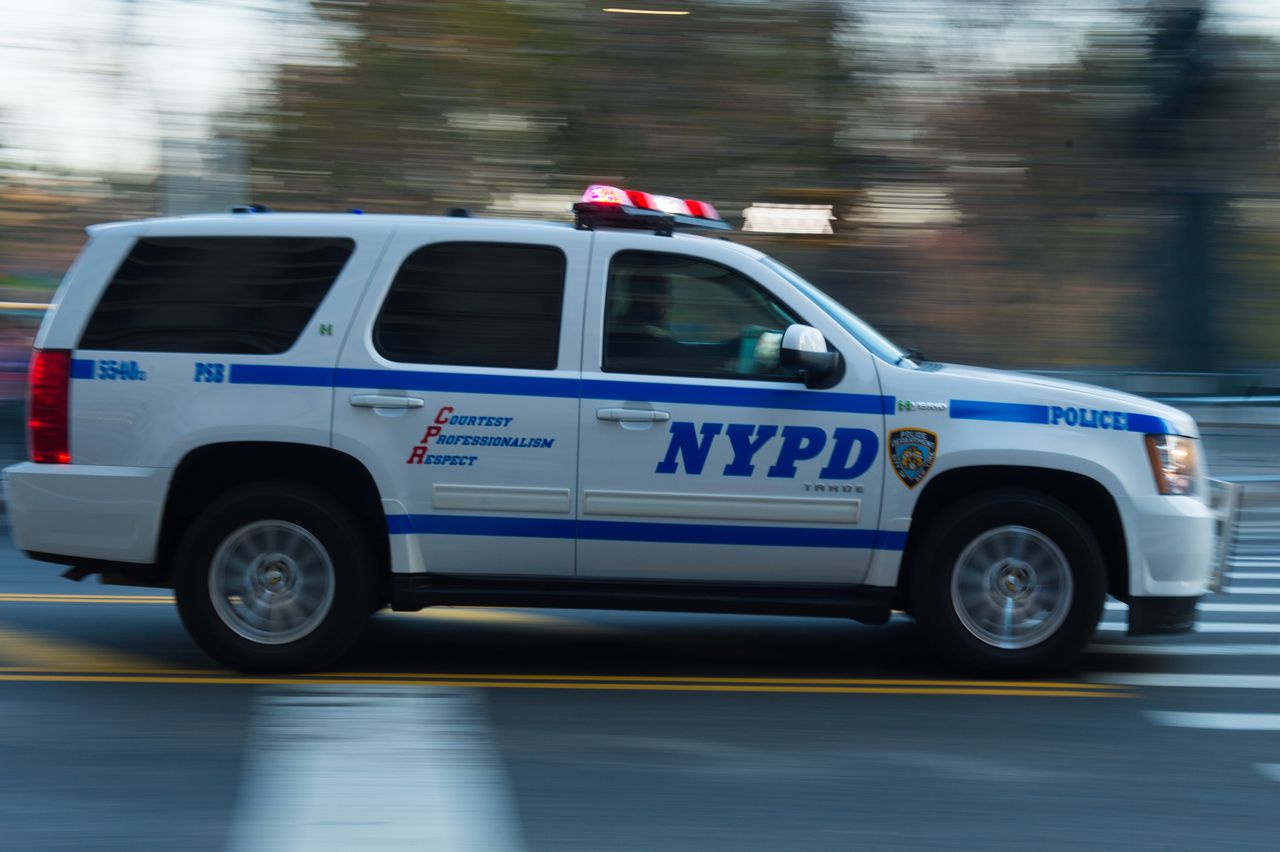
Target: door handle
column 382, row 400
column 632, row 415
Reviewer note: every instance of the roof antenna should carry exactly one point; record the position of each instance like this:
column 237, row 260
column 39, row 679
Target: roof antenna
column 458, row 212
column 251, row 208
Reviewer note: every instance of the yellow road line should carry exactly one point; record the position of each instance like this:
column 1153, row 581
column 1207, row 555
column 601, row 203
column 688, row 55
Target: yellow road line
column 17, row 597
column 506, row 684
column 30, row 649
column 802, row 681
column 630, row 680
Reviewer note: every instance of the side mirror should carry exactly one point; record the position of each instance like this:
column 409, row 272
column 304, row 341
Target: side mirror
column 804, row 348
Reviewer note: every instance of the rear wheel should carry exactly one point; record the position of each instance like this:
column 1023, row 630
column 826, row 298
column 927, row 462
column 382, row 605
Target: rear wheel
column 1008, row 583
column 275, row 577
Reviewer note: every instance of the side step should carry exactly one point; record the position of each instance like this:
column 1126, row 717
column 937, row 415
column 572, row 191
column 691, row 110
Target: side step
column 868, row 604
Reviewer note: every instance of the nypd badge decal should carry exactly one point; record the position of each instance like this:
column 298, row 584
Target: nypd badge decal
column 912, row 452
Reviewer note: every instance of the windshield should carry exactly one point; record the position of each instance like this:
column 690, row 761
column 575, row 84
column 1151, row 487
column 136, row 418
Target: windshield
column 880, row 346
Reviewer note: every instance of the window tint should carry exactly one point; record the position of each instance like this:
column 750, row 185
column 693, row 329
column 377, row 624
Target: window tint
column 475, row 305
column 672, row 314
column 233, row 295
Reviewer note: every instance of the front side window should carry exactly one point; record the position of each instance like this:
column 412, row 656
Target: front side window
column 475, row 305
column 677, row 315
column 224, row 295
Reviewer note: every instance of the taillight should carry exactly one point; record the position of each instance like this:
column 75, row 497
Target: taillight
column 48, row 395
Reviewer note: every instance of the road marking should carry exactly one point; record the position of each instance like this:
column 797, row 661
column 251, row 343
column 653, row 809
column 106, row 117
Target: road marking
column 1187, row 650
column 45, row 654
column 460, row 614
column 16, row 597
column 486, row 615
column 805, row 681
column 1212, row 606
column 658, row 679
column 1079, row 691
column 389, row 768
column 1270, row 771
column 1211, row 627
column 1192, row 681
column 1216, row 721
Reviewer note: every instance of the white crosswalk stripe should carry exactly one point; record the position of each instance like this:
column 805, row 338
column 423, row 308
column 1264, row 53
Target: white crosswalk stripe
column 1212, row 626
column 1184, row 649
column 1253, row 571
column 1217, row 721
column 1212, row 606
column 1192, row 681
column 388, row 768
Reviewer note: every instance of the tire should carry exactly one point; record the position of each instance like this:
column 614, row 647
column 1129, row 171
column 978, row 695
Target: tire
column 301, row 559
column 1010, row 583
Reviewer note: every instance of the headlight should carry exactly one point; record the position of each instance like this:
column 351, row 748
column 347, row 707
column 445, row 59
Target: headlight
column 1173, row 461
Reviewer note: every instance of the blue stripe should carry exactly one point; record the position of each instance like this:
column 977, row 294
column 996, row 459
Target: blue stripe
column 1147, row 423
column 556, row 387
column 279, row 374
column 459, row 382
column 1016, row 412
column 1003, row 412
column 652, row 532
column 782, row 398
column 82, row 368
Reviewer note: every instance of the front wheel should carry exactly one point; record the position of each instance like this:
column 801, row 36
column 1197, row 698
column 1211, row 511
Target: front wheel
column 275, row 577
column 1008, row 583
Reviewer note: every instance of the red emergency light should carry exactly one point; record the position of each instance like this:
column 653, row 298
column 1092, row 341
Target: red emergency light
column 611, row 207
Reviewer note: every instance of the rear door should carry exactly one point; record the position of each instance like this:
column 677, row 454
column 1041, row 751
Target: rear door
column 701, row 458
column 458, row 390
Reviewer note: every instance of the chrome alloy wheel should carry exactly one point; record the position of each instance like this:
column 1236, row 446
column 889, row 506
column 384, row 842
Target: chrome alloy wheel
column 271, row 582
column 1011, row 587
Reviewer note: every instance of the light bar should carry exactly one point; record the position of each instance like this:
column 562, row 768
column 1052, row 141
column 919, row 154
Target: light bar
column 629, row 208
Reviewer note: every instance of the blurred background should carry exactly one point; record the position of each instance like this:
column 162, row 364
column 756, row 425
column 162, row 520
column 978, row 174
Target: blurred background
column 1083, row 184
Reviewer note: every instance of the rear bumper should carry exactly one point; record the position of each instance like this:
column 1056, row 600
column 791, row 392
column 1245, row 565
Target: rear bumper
column 1162, row 616
column 96, row 512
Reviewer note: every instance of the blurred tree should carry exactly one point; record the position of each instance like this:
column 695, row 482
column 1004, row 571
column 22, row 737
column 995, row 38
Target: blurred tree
column 445, row 103
column 1092, row 194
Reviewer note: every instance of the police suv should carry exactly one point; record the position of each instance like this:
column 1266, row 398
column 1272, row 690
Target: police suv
column 294, row 420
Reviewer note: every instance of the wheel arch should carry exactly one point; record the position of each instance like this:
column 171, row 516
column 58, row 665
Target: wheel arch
column 214, row 469
column 1086, row 496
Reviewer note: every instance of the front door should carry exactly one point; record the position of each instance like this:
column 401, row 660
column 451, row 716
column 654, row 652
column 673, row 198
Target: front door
column 701, row 458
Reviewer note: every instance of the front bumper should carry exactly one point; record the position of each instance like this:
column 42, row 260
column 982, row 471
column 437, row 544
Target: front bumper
column 1171, row 546
column 1162, row 616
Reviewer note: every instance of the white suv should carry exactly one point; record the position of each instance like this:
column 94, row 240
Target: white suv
column 297, row 419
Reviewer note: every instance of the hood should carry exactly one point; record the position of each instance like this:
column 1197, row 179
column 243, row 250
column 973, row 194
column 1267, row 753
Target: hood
column 1065, row 393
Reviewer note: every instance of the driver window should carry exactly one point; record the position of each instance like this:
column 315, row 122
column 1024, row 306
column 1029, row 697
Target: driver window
column 677, row 315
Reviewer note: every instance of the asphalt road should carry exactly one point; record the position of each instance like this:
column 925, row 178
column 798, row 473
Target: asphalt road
column 514, row 730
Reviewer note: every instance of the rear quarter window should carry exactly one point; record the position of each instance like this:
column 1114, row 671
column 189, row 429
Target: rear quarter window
column 475, row 305
column 227, row 295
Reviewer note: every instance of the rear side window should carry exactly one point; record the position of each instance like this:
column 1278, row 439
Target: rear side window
column 475, row 305
column 232, row 295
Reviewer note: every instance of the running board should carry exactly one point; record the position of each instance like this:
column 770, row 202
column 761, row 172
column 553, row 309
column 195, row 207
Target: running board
column 867, row 604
